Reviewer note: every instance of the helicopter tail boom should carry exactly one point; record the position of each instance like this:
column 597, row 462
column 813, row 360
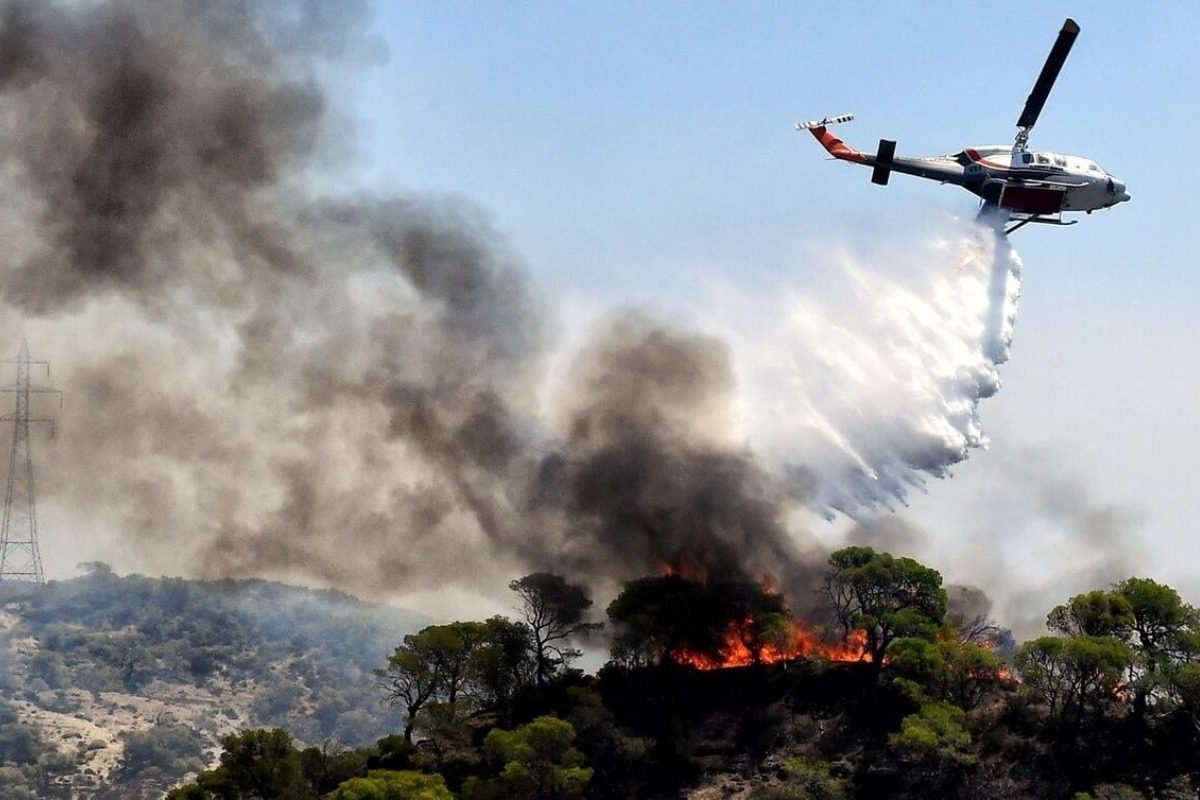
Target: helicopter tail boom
column 884, row 161
column 835, row 146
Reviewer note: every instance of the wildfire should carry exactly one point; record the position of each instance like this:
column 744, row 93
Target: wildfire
column 748, row 639
column 740, row 649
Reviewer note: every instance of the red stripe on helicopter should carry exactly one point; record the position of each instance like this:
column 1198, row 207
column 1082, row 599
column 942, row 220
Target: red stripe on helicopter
column 836, row 147
column 973, row 154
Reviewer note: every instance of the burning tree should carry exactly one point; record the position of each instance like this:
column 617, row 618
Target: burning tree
column 884, row 597
column 711, row 624
column 670, row 617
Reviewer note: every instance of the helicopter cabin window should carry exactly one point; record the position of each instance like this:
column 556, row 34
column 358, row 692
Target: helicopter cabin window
column 1041, row 159
column 1027, row 158
column 1060, row 161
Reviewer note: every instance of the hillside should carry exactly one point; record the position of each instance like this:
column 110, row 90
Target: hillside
column 715, row 691
column 132, row 687
column 121, row 686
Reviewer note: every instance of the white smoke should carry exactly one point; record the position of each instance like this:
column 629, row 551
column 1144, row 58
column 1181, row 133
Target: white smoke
column 862, row 388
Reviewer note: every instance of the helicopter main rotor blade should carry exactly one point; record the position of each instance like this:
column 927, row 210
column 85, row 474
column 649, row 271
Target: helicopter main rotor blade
column 1050, row 70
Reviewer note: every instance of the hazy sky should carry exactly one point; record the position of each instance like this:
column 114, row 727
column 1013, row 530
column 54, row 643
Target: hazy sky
column 641, row 153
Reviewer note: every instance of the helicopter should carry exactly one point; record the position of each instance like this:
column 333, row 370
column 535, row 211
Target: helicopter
column 1014, row 183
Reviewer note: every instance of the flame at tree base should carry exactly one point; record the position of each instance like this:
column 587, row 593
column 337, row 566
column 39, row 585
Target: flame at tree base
column 700, row 617
column 740, row 648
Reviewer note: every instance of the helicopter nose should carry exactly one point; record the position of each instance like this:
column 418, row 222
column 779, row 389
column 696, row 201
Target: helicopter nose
column 1117, row 188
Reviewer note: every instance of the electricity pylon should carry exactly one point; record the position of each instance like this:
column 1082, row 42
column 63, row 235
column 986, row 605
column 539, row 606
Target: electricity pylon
column 19, row 556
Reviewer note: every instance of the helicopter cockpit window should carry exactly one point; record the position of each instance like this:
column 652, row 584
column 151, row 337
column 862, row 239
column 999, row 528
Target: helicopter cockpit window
column 1060, row 161
column 1093, row 167
column 1041, row 159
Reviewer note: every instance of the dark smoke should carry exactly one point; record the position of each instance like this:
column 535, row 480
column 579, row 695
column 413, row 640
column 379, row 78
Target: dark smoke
column 652, row 476
column 144, row 130
column 354, row 391
column 350, row 390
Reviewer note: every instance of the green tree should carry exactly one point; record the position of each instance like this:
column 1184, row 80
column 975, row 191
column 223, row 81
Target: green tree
column 452, row 649
column 1074, row 673
column 962, row 673
column 412, row 678
column 389, row 785
column 937, row 730
column 814, row 778
column 936, row 744
column 885, row 597
column 1185, row 685
column 1094, row 613
column 326, row 767
column 1164, row 633
column 16, row 785
column 256, row 765
column 504, row 664
column 461, row 666
column 1147, row 617
column 537, row 761
column 555, row 612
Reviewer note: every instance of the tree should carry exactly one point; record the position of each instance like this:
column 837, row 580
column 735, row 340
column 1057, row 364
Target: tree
column 19, row 744
column 1147, row 617
column 554, row 611
column 255, row 765
column 758, row 617
column 885, row 597
column 1163, row 632
column 389, row 785
column 326, row 767
column 657, row 616
column 452, row 649
column 536, row 762
column 962, row 673
column 410, row 680
column 937, row 730
column 504, row 664
column 462, row 667
column 1073, row 673
column 1094, row 613
column 673, row 617
column 1160, row 619
column 1185, row 685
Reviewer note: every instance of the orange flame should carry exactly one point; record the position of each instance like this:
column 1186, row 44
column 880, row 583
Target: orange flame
column 738, row 647
column 801, row 642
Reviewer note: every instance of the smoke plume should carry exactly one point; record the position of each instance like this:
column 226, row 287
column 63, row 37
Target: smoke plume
column 350, row 390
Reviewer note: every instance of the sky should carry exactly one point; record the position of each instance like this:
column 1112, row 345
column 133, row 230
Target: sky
column 643, row 155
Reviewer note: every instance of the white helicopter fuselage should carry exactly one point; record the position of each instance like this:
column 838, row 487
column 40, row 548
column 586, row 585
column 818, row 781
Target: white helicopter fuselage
column 1067, row 182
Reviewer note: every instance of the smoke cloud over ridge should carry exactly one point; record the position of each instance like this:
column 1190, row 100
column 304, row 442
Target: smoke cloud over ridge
column 348, row 390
